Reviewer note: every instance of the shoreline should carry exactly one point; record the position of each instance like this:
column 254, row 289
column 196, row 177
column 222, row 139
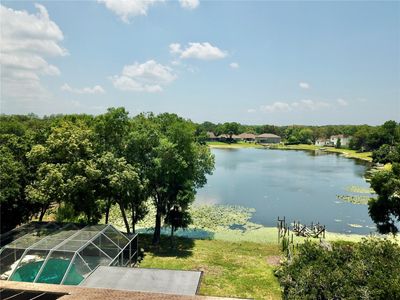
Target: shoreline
column 347, row 153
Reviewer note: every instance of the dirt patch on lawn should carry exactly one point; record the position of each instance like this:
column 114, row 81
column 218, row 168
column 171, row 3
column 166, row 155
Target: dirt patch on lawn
column 274, row 260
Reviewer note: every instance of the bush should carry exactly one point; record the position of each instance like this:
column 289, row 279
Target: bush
column 366, row 270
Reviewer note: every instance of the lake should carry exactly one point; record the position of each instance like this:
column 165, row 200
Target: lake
column 301, row 185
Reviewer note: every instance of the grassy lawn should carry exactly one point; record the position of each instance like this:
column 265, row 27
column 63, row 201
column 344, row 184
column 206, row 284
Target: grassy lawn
column 230, row 269
column 352, row 153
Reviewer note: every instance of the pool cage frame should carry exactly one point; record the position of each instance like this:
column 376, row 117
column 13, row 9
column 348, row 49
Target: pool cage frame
column 121, row 250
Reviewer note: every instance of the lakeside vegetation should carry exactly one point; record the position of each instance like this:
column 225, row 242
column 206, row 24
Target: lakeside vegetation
column 365, row 270
column 224, row 223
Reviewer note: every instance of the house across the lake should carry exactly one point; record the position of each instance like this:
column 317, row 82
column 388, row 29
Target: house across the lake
column 247, row 137
column 332, row 141
column 223, row 137
column 268, row 138
column 323, row 142
column 211, row 136
column 236, row 137
column 344, row 140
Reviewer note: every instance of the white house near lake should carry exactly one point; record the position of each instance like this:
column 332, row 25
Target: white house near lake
column 322, row 142
column 332, row 141
column 344, row 140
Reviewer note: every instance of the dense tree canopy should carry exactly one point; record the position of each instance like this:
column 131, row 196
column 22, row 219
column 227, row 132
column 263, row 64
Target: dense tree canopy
column 82, row 165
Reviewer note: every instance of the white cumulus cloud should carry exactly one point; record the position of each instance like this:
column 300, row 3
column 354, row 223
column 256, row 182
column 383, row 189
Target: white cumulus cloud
column 234, row 65
column 306, row 104
column 97, row 89
column 304, row 85
column 251, row 110
column 342, row 102
column 202, row 51
column 146, row 77
column 127, row 9
column 276, row 107
column 189, row 4
column 27, row 40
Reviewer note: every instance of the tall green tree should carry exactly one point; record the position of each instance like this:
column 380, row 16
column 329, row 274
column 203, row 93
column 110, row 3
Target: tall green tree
column 14, row 207
column 178, row 167
column 111, row 130
column 67, row 170
column 120, row 185
column 47, row 188
column 231, row 128
column 385, row 209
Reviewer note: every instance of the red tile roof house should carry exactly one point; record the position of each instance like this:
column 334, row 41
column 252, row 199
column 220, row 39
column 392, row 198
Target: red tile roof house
column 268, row 138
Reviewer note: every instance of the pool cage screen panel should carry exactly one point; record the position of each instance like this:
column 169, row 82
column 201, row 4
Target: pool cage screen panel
column 67, row 255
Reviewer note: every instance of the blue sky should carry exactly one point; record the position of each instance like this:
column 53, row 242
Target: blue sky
column 255, row 62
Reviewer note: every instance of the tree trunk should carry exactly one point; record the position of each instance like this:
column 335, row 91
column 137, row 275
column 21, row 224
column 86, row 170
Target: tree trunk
column 172, row 236
column 133, row 219
column 42, row 212
column 157, row 229
column 108, row 210
column 121, row 206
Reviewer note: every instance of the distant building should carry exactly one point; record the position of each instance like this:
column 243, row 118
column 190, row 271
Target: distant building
column 223, row 137
column 248, row 137
column 236, row 137
column 268, row 138
column 211, row 136
column 344, row 140
column 323, row 142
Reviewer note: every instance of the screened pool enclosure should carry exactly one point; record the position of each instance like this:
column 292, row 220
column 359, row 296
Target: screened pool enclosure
column 65, row 254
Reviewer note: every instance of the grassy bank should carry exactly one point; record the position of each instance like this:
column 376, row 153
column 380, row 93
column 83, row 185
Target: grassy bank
column 345, row 152
column 229, row 269
column 233, row 145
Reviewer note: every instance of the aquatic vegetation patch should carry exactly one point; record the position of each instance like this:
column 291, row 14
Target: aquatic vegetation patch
column 359, row 189
column 220, row 222
column 214, row 216
column 355, row 225
column 203, row 216
column 355, row 199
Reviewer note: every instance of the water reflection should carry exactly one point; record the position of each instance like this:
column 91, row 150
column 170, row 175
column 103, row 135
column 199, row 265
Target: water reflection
column 302, row 185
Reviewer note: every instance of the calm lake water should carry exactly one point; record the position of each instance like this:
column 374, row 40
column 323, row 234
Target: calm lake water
column 297, row 184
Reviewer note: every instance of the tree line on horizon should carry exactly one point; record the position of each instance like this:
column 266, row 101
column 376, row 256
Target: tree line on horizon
column 364, row 137
column 85, row 164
